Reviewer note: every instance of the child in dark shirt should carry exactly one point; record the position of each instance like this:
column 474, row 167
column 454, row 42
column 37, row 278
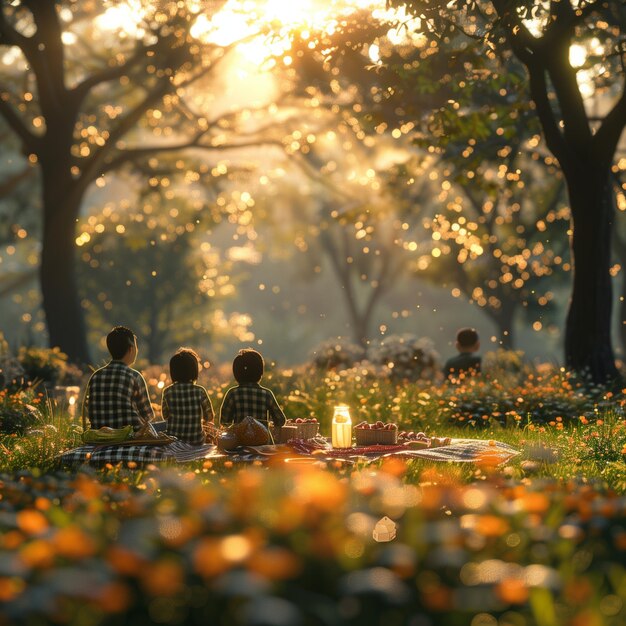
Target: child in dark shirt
column 116, row 394
column 248, row 398
column 466, row 362
column 186, row 406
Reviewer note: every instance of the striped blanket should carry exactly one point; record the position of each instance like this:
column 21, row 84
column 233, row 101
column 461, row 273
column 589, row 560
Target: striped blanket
column 459, row 450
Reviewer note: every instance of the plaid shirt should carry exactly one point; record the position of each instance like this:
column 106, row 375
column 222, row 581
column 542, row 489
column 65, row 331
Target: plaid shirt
column 250, row 399
column 116, row 396
column 185, row 406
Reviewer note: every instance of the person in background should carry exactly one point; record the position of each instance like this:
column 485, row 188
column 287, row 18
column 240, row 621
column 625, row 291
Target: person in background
column 466, row 362
column 186, row 406
column 248, row 398
column 117, row 395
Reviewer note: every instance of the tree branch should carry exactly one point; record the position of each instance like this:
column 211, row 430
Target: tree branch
column 30, row 140
column 539, row 93
column 604, row 142
column 138, row 153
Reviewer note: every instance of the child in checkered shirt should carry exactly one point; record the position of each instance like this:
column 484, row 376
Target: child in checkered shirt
column 248, row 398
column 186, row 406
column 116, row 394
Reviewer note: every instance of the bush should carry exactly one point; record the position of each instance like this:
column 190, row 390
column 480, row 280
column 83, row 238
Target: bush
column 11, row 371
column 503, row 362
column 406, row 357
column 47, row 365
column 17, row 412
column 337, row 354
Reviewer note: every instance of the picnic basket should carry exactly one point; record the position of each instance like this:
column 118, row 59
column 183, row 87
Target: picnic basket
column 369, row 436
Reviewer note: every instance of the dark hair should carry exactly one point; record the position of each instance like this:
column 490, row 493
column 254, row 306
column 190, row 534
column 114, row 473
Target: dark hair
column 119, row 340
column 467, row 337
column 184, row 366
column 248, row 366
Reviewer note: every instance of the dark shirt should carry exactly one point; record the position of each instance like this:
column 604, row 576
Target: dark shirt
column 250, row 400
column 116, row 396
column 462, row 363
column 185, row 406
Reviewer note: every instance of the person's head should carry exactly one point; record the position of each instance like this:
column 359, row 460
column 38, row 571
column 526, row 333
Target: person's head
column 248, row 366
column 467, row 340
column 184, row 366
column 122, row 344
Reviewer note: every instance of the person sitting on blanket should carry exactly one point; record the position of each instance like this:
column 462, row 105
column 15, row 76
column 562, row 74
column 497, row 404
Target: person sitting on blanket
column 466, row 362
column 248, row 398
column 186, row 406
column 116, row 394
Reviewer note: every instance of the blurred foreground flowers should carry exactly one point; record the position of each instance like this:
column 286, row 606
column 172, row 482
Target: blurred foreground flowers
column 295, row 547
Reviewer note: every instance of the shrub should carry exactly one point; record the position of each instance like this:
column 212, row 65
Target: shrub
column 17, row 412
column 503, row 361
column 11, row 371
column 406, row 357
column 337, row 354
column 47, row 365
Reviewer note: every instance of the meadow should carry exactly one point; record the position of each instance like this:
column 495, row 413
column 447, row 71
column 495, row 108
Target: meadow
column 538, row 541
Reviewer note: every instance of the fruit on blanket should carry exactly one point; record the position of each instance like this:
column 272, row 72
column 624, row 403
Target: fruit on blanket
column 377, row 426
column 412, row 436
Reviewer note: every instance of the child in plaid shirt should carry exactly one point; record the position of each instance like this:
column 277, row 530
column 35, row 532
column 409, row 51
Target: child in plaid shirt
column 116, row 394
column 186, row 406
column 248, row 398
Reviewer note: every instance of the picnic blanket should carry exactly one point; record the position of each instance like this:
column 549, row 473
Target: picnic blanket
column 459, row 450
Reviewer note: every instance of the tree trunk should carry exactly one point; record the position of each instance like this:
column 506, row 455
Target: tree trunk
column 622, row 310
column 588, row 348
column 503, row 318
column 64, row 315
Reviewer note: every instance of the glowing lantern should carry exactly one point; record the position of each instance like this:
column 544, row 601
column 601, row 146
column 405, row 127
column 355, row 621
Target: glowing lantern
column 342, row 427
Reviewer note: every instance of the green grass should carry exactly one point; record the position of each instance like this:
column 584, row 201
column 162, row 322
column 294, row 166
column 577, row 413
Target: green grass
column 539, row 541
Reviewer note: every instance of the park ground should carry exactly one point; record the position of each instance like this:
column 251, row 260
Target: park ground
column 539, row 540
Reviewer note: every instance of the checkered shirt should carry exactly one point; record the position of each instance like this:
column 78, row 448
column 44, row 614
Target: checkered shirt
column 185, row 406
column 116, row 396
column 250, row 400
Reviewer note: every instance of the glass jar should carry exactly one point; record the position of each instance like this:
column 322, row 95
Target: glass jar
column 342, row 427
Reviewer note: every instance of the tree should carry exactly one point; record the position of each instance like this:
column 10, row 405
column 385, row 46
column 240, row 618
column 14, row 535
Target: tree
column 426, row 77
column 349, row 219
column 90, row 89
column 143, row 270
column 540, row 35
column 492, row 204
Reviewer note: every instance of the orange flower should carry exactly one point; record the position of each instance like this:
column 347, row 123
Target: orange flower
column 535, row 502
column 124, row 561
column 37, row 554
column 512, row 591
column 114, row 598
column 208, row 558
column 10, row 588
column 394, row 466
column 32, row 522
column 73, row 543
column 275, row 563
column 12, row 539
column 491, row 526
column 163, row 578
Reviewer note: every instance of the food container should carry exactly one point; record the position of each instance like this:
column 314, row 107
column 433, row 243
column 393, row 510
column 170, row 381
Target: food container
column 380, row 436
column 287, row 432
column 304, row 430
column 341, row 427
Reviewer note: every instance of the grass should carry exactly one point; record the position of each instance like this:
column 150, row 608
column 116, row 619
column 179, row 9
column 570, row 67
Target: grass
column 540, row 541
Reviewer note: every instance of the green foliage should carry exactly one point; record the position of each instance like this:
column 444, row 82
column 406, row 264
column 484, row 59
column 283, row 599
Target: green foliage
column 46, row 365
column 19, row 411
